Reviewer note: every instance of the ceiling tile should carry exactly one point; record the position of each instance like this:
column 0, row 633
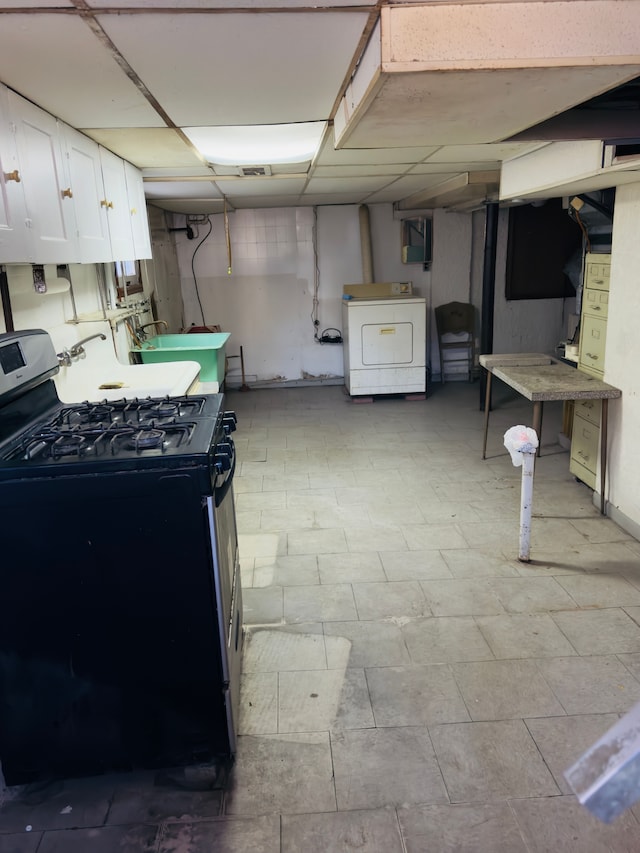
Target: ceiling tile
column 59, row 64
column 148, row 146
column 236, row 69
column 259, row 187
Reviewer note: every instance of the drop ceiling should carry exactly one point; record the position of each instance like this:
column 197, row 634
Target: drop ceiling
column 423, row 100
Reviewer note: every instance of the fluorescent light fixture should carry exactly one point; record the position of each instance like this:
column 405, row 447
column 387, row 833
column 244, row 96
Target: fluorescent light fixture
column 252, row 145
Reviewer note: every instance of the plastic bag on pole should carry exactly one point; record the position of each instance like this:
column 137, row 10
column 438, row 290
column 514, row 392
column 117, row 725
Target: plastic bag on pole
column 518, row 440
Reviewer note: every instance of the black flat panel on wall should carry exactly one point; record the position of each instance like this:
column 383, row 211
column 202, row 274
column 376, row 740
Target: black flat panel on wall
column 541, row 240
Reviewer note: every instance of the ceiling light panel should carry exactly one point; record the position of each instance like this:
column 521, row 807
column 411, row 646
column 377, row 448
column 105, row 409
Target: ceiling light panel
column 254, row 144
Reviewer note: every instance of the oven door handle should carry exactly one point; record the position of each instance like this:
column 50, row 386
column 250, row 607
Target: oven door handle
column 220, row 491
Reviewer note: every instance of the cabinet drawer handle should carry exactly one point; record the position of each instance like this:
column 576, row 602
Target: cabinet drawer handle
column 105, row 203
column 598, row 281
column 592, row 357
column 66, row 193
column 585, row 456
column 12, row 176
column 596, row 308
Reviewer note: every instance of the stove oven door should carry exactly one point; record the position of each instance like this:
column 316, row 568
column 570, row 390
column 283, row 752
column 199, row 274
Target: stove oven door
column 224, row 541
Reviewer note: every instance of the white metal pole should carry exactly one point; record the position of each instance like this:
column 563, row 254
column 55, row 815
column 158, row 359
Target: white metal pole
column 526, row 501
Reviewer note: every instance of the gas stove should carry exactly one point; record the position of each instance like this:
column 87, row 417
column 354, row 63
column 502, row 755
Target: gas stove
column 121, row 633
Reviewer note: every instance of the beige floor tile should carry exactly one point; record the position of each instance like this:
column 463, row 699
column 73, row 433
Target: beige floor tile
column 385, row 600
column 311, row 499
column 445, row 639
column 600, row 590
column 591, row 685
column 490, row 761
column 362, row 539
column 324, row 603
column 286, row 519
column 323, row 700
column 330, row 541
column 599, row 529
column 462, row 597
column 414, row 565
column 476, row 563
column 562, row 740
column 258, row 703
column 370, row 644
column 281, row 483
column 447, row 512
column 300, row 570
column 341, row 516
column 395, row 515
column 600, row 632
column 531, row 595
column 437, row 536
column 364, row 831
column 285, row 774
column 248, row 520
column 415, row 696
column 261, row 544
column 350, row 568
column 505, row 689
column 275, row 650
column 480, row 828
column 376, row 768
column 524, row 636
column 263, row 605
column 228, row 835
column 562, row 825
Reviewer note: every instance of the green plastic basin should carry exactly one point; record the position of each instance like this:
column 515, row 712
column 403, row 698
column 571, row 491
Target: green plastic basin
column 206, row 349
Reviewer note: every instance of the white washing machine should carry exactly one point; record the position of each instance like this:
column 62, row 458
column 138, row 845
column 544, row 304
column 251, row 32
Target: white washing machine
column 385, row 345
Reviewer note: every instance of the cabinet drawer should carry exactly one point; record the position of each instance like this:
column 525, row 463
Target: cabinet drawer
column 595, row 302
column 584, row 443
column 584, row 474
column 597, row 270
column 589, row 410
column 593, row 336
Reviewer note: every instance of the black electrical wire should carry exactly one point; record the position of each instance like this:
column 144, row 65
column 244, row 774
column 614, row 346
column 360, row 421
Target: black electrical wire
column 193, row 271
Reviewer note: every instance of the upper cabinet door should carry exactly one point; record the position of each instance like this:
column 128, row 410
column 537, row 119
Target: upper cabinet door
column 138, row 212
column 47, row 192
column 13, row 230
column 85, row 174
column 117, row 204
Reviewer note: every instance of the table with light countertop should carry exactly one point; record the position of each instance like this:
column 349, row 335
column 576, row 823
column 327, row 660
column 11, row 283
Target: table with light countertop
column 539, row 377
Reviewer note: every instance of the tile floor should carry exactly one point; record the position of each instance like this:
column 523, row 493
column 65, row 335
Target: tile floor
column 408, row 686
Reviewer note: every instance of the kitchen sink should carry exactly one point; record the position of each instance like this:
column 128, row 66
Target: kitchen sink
column 206, row 349
column 88, row 380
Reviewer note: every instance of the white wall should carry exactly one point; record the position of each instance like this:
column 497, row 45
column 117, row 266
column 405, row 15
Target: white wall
column 622, row 357
column 267, row 301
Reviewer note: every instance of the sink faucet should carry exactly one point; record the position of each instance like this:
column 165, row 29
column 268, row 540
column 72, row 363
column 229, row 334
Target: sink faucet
column 78, row 349
column 155, row 323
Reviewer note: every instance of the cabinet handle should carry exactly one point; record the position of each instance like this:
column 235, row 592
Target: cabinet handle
column 598, row 281
column 592, row 357
column 12, row 176
column 585, row 456
column 133, row 211
column 596, row 308
column 105, row 203
column 66, row 193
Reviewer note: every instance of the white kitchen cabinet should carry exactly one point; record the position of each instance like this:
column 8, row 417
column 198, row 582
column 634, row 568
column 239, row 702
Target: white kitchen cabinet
column 13, row 213
column 87, row 186
column 50, row 215
column 116, row 202
column 138, row 213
